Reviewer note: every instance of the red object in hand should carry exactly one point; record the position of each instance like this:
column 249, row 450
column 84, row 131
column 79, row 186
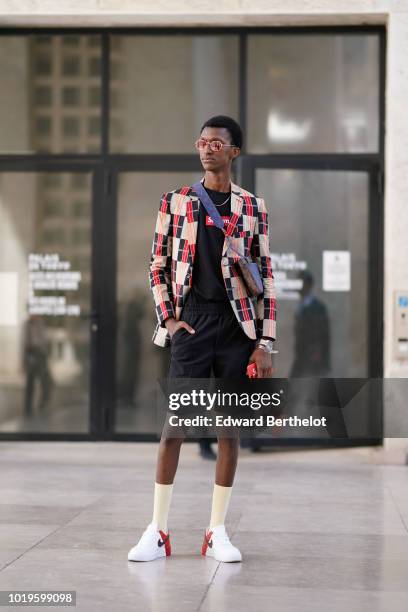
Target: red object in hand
column 252, row 371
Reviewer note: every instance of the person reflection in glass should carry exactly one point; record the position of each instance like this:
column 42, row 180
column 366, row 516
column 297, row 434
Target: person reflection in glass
column 312, row 333
column 36, row 363
column 312, row 358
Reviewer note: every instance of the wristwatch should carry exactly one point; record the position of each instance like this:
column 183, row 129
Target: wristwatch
column 265, row 345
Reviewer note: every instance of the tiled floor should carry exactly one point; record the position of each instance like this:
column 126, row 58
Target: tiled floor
column 319, row 530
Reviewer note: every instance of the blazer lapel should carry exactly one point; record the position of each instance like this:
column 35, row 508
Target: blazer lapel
column 193, row 205
column 236, row 209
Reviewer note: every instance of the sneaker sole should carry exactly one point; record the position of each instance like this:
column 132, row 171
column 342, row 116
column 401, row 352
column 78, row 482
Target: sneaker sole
column 145, row 560
column 161, row 556
column 210, row 553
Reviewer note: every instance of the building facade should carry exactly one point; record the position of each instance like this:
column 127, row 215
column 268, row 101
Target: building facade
column 100, row 110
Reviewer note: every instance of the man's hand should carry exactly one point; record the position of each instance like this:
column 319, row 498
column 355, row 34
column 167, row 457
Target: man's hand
column 263, row 362
column 172, row 326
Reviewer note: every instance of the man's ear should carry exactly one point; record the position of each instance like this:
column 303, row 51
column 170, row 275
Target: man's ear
column 236, row 152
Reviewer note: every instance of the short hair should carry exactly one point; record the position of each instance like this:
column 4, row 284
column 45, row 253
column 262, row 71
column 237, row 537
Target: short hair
column 223, row 121
column 307, row 277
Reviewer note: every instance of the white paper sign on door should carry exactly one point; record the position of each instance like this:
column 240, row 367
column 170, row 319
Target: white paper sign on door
column 336, row 271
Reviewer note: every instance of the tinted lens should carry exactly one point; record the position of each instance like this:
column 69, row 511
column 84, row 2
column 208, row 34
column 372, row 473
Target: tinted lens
column 200, row 143
column 216, row 145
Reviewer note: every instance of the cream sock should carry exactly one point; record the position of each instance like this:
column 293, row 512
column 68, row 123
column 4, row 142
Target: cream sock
column 220, row 502
column 162, row 499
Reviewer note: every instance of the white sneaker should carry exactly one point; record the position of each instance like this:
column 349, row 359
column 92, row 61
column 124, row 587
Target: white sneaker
column 153, row 544
column 217, row 544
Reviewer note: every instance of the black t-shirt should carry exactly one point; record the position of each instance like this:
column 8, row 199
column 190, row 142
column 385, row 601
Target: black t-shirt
column 208, row 282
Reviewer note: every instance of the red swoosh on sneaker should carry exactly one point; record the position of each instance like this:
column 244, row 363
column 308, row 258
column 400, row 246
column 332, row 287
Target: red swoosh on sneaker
column 165, row 541
column 207, row 542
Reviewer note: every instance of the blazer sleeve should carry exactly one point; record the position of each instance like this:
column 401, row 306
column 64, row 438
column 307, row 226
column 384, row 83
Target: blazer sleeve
column 160, row 262
column 266, row 304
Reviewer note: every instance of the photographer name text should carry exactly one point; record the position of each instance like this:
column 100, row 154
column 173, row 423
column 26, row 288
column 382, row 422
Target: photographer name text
column 259, row 421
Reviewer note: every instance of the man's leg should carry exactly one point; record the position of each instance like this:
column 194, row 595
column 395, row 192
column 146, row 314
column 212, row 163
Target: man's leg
column 167, row 462
column 216, row 541
column 224, row 479
column 45, row 380
column 190, row 358
column 232, row 354
column 29, row 390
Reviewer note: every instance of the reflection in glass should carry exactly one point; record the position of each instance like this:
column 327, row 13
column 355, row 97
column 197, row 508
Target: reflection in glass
column 139, row 362
column 35, row 356
column 70, row 96
column 313, row 93
column 43, row 109
column 311, row 331
column 44, row 354
column 168, row 87
column 43, row 95
column 321, row 332
column 71, row 66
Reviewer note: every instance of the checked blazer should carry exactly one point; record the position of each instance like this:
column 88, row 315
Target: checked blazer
column 172, row 260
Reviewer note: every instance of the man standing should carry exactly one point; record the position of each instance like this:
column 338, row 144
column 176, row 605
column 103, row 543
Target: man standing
column 312, row 333
column 207, row 316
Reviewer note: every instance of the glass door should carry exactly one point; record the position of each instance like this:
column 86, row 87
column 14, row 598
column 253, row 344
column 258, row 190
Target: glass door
column 319, row 240
column 46, row 327
column 139, row 362
column 326, row 255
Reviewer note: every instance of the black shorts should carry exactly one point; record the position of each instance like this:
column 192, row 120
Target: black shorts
column 219, row 345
